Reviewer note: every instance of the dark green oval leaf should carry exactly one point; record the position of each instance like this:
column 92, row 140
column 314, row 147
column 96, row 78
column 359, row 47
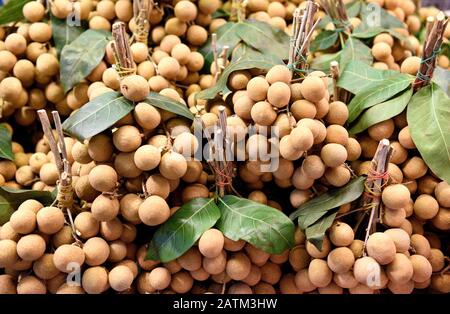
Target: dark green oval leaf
column 169, row 104
column 183, row 229
column 81, row 56
column 265, row 227
column 63, row 33
column 258, row 61
column 12, row 11
column 358, row 75
column 355, row 49
column 428, row 117
column 263, row 37
column 377, row 93
column 316, row 232
column 10, row 199
column 313, row 210
column 227, row 35
column 97, row 115
column 382, row 112
column 5, row 143
column 324, row 40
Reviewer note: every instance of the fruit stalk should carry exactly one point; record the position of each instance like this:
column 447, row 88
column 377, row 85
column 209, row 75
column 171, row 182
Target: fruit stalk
column 376, row 180
column 125, row 65
column 237, row 10
column 335, row 72
column 336, row 10
column 433, row 41
column 142, row 10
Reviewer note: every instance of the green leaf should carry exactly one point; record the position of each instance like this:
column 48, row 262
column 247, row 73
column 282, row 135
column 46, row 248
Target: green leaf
column 363, row 32
column 441, row 77
column 358, row 75
column 5, row 143
column 353, row 8
column 63, row 33
column 263, row 37
column 382, row 112
column 355, row 49
column 183, row 229
column 81, row 56
column 428, row 117
column 10, row 199
column 322, row 62
column 265, row 227
column 387, row 21
column 244, row 50
column 169, row 104
column 97, row 115
column 220, row 13
column 12, row 11
column 227, row 35
column 324, row 40
column 316, row 232
column 376, row 93
column 313, row 210
column 259, row 61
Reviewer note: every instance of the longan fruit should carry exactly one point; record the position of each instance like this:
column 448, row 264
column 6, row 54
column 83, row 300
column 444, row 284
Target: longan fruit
column 44, row 268
column 100, row 148
column 16, row 43
column 154, row 211
column 8, row 284
column 302, row 108
column 366, row 269
column 40, row 32
column 421, row 245
column 262, row 113
column 381, row 247
column 8, row 233
column 279, row 94
column 127, row 138
column 215, row 265
column 401, row 239
column 31, row 285
column 381, row 51
column 103, row 178
column 313, row 89
column 134, row 87
column 414, row 168
column 316, row 252
column 23, row 221
column 169, row 67
column 33, row 11
column 47, row 63
column 287, row 151
column 404, row 137
column 385, row 38
column 257, row 256
column 396, row 196
column 181, row 282
column 333, row 155
column 299, row 197
column 441, row 220
column 186, row 144
column 441, row 283
column 31, row 247
column 158, row 185
column 411, row 65
column 50, row 220
column 400, row 270
column 196, row 35
column 301, row 181
column 147, row 116
column 8, row 253
column 279, row 73
column 117, row 251
column 105, row 208
column 257, row 89
column 66, row 256
column 381, row 130
column 120, row 278
column 173, row 165
column 191, row 260
column 301, row 138
column 303, row 282
column 95, row 280
column 426, row 207
column 341, row 234
column 422, row 268
column 211, row 243
column 393, row 217
column 64, row 236
column 238, row 267
column 345, row 280
column 9, row 88
column 442, row 192
column 319, row 273
column 7, row 61
column 96, row 251
column 338, row 176
column 147, row 157
column 437, row 260
column 270, row 273
column 253, row 277
column 160, row 278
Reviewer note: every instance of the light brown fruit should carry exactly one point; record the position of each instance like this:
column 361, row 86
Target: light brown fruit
column 381, row 51
column 105, row 208
column 421, row 245
column 160, row 278
column 341, row 234
column 31, row 285
column 191, row 260
column 134, row 87
column 426, row 207
column 50, row 220
column 333, row 155
column 23, row 221
column 366, row 271
column 103, row 178
column 31, row 247
column 279, row 94
column 181, row 282
column 340, row 260
column 238, row 267
column 411, row 65
column 319, row 273
column 154, row 211
column 67, row 258
column 211, row 243
column 257, row 89
column 120, row 278
column 8, row 253
column 95, row 280
column 400, row 271
column 313, row 89
column 173, row 165
column 414, row 168
column 404, row 137
column 96, row 251
column 316, row 252
column 86, row 225
column 44, row 268
column 401, row 239
column 381, row 248
column 396, row 196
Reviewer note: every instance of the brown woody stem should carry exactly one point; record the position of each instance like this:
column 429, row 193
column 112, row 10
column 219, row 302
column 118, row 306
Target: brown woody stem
column 335, row 73
column 125, row 65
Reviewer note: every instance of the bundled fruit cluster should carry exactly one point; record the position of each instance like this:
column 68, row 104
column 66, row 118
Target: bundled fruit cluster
column 191, row 133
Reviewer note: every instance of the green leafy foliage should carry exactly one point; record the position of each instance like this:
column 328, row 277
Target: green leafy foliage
column 63, row 33
column 316, row 232
column 377, row 93
column 5, row 143
column 324, row 40
column 81, row 56
column 168, row 104
column 322, row 62
column 265, row 227
column 381, row 112
column 428, row 117
column 12, row 11
column 10, row 199
column 183, row 229
column 97, row 115
column 311, row 211
column 441, row 77
column 355, row 49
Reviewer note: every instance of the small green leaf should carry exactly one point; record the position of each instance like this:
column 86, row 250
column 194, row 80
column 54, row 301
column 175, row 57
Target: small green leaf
column 322, row 62
column 353, row 8
column 63, row 33
column 265, row 227
column 358, row 75
column 377, row 93
column 244, row 50
column 12, row 11
column 227, row 35
column 441, row 77
column 10, row 199
column 316, row 232
column 364, row 33
column 313, row 210
column 324, row 40
column 428, row 117
column 382, row 112
column 5, row 143
column 258, row 61
column 220, row 13
column 97, row 115
column 81, row 56
column 355, row 49
column 263, row 37
column 168, row 104
column 183, row 229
